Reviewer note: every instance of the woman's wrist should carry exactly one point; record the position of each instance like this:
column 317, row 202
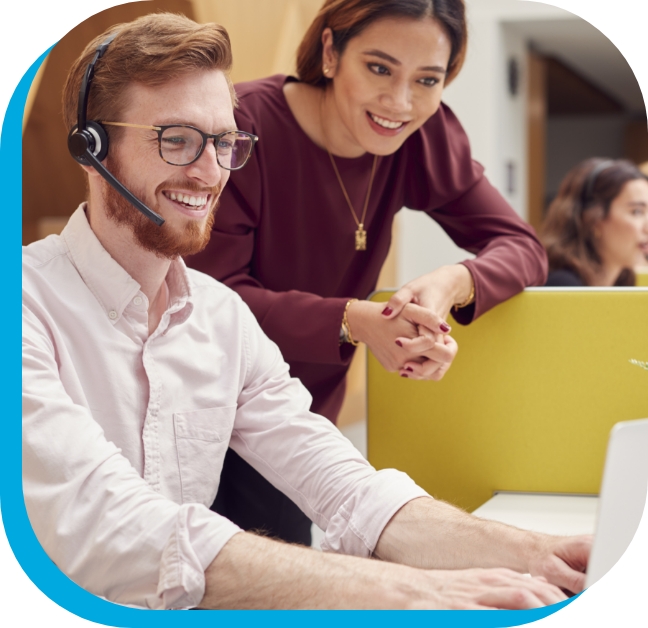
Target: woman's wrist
column 357, row 312
column 467, row 278
column 346, row 335
column 452, row 285
column 463, row 286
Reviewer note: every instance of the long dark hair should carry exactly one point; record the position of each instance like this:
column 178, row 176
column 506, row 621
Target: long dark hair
column 582, row 202
column 348, row 18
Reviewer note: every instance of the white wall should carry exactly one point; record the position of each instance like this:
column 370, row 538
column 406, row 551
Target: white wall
column 494, row 121
column 479, row 95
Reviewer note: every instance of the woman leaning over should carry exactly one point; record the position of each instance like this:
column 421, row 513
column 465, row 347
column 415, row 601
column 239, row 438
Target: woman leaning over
column 596, row 229
column 303, row 231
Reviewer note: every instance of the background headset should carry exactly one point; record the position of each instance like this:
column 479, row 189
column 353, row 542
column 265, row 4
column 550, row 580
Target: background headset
column 88, row 140
column 588, row 188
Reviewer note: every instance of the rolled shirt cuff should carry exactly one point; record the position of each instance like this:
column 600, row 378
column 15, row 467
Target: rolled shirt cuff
column 358, row 524
column 197, row 538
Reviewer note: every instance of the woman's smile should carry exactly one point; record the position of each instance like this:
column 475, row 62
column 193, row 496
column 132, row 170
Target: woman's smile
column 385, row 85
column 385, row 126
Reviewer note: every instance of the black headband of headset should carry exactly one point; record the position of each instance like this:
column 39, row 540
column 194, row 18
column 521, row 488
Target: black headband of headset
column 84, row 93
column 83, row 139
column 588, row 188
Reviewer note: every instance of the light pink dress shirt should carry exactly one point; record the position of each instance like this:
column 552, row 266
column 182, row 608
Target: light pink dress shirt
column 124, row 433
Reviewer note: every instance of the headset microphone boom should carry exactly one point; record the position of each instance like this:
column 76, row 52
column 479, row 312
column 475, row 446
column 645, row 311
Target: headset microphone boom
column 88, row 140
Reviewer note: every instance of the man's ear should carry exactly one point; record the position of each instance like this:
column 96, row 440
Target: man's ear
column 93, row 175
column 329, row 54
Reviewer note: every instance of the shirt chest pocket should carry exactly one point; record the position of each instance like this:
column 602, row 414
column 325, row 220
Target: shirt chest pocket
column 202, row 438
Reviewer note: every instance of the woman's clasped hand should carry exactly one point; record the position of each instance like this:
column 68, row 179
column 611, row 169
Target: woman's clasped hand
column 410, row 334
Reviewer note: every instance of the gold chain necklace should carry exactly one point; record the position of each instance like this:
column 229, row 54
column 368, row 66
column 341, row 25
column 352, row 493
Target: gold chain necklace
column 360, row 234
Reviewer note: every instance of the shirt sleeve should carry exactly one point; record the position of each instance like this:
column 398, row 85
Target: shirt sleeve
column 96, row 518
column 307, row 458
column 446, row 183
column 305, row 325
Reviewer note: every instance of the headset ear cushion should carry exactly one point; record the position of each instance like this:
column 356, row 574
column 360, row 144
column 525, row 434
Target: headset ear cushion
column 101, row 139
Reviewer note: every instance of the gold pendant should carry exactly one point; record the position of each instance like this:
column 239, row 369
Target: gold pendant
column 360, row 238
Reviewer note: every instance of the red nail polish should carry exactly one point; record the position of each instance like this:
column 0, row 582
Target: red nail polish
column 387, row 311
column 399, row 343
column 410, row 369
column 444, row 328
column 403, row 375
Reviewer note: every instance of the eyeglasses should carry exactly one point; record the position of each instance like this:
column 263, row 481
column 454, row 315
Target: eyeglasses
column 182, row 144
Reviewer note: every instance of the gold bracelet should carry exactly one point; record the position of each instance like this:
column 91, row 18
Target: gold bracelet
column 469, row 300
column 345, row 324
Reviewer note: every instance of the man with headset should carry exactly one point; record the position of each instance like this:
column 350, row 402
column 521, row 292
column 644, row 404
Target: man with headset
column 138, row 373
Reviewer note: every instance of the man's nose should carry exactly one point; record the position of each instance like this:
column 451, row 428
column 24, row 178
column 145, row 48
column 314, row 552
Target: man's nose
column 206, row 167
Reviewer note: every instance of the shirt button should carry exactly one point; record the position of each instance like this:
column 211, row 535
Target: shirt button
column 112, row 315
column 137, row 301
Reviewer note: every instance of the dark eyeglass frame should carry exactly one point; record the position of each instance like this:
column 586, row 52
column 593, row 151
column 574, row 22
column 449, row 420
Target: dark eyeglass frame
column 205, row 138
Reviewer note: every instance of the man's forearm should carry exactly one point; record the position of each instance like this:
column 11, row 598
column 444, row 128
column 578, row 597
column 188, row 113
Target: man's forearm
column 431, row 534
column 253, row 572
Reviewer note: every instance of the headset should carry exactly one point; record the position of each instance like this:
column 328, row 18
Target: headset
column 588, row 187
column 88, row 140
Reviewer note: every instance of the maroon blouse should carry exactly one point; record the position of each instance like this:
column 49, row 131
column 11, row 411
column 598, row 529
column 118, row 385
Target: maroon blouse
column 284, row 238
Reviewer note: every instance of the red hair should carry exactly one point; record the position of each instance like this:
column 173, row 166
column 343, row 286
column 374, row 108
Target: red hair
column 151, row 50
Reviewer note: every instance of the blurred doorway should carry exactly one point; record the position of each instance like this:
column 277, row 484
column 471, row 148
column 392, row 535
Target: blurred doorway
column 583, row 101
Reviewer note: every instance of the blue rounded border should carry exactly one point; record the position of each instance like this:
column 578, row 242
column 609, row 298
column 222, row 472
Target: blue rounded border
column 28, row 551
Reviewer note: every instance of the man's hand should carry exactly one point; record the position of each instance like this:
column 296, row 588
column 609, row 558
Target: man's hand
column 485, row 589
column 562, row 561
column 463, row 541
column 257, row 573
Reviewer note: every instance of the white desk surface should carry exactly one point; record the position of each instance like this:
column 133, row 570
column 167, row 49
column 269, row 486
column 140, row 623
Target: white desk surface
column 551, row 514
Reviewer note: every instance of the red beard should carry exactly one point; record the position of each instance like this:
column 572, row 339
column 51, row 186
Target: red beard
column 164, row 241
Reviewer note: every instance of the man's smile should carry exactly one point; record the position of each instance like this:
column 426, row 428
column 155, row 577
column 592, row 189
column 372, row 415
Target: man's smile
column 191, row 204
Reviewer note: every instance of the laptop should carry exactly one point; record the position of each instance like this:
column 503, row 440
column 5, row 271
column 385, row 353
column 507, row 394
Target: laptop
column 622, row 496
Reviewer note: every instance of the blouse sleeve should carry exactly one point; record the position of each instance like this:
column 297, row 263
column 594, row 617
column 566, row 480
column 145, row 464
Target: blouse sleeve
column 474, row 214
column 306, row 326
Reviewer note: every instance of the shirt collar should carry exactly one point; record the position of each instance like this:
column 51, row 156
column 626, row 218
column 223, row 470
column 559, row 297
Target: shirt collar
column 112, row 286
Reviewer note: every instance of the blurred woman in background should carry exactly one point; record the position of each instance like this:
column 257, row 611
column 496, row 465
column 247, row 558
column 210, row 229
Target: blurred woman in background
column 596, row 229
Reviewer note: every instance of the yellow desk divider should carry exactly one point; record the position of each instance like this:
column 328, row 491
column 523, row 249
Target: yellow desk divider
column 642, row 278
column 528, row 403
